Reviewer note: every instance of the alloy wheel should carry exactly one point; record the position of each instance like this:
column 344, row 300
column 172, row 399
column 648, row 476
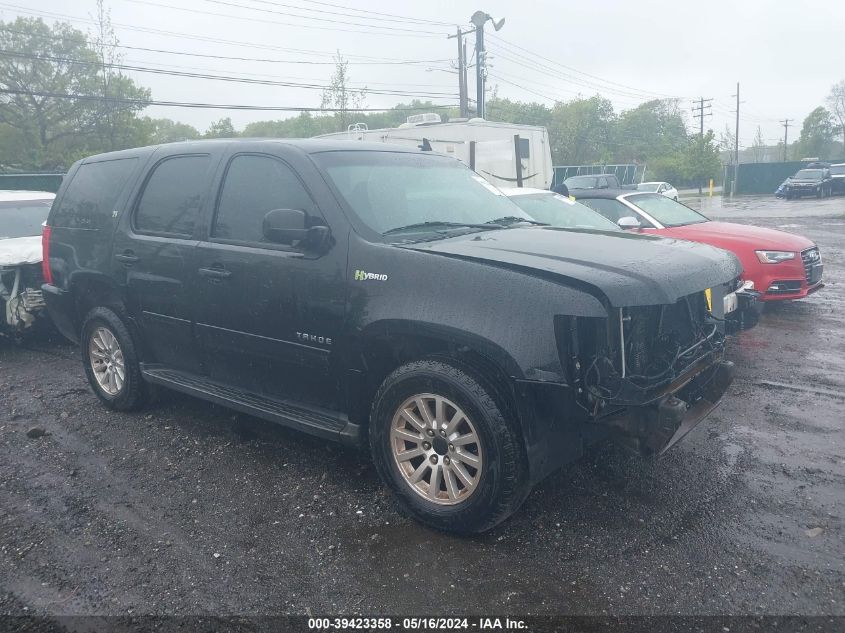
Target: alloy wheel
column 107, row 361
column 436, row 448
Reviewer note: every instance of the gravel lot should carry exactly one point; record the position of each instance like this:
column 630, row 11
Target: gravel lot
column 188, row 508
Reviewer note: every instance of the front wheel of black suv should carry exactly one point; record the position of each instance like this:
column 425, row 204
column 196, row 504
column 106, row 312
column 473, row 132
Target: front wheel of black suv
column 442, row 443
column 111, row 362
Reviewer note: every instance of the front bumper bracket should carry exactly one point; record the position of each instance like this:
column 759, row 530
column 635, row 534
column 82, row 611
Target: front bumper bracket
column 654, row 429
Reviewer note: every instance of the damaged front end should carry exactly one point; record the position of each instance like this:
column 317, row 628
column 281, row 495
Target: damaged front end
column 21, row 300
column 650, row 373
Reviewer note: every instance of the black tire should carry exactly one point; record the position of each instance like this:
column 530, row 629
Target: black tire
column 502, row 484
column 134, row 392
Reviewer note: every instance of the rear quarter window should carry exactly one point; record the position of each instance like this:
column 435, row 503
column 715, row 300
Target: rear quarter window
column 90, row 198
column 173, row 195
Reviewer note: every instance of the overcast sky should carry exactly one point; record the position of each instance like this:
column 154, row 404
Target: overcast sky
column 785, row 55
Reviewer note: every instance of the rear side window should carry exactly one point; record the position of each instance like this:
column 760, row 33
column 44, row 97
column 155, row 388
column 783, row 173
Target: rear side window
column 611, row 209
column 172, row 196
column 89, row 201
column 253, row 186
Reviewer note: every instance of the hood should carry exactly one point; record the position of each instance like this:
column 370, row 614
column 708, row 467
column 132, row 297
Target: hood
column 17, row 251
column 628, row 269
column 738, row 236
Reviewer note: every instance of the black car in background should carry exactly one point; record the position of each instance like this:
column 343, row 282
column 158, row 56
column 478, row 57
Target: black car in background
column 384, row 297
column 837, row 176
column 814, row 181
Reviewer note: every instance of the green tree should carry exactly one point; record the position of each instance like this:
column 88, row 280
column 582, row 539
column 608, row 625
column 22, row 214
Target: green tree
column 581, row 130
column 701, row 159
column 816, row 133
column 340, row 98
column 836, row 101
column 509, row 111
column 43, row 64
column 221, row 129
column 652, row 130
column 158, row 131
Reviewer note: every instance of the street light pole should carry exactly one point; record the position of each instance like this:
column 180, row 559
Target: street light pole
column 479, row 18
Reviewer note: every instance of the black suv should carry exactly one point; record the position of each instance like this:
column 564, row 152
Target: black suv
column 837, row 176
column 812, row 181
column 382, row 296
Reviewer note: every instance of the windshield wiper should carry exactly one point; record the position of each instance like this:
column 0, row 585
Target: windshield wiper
column 513, row 219
column 450, row 225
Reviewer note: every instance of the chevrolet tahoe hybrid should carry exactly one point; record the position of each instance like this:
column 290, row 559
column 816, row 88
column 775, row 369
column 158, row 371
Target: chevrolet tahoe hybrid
column 383, row 297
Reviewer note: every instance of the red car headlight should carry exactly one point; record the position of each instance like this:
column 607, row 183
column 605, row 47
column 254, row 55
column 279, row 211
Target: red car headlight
column 774, row 257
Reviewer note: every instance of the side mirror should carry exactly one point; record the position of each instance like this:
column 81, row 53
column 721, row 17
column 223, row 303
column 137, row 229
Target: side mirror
column 628, row 222
column 287, row 226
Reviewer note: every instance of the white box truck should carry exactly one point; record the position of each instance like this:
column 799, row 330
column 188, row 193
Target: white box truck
column 488, row 147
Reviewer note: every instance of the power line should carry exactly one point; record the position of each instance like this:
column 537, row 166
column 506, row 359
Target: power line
column 227, row 78
column 503, row 76
column 580, row 72
column 547, row 71
column 387, row 62
column 357, row 85
column 383, row 30
column 180, row 35
column 211, row 106
column 379, row 17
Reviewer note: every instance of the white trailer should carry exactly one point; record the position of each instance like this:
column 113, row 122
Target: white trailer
column 488, row 147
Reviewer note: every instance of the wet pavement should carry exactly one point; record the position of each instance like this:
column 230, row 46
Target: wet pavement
column 188, row 508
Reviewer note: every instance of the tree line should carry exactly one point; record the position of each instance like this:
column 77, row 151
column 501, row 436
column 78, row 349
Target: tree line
column 41, row 129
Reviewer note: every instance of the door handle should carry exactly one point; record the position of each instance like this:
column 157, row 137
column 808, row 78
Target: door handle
column 215, row 272
column 128, row 258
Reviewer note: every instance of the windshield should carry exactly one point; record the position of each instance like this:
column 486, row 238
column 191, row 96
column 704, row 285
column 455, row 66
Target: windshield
column 809, row 174
column 665, row 210
column 24, row 218
column 562, row 212
column 648, row 186
column 392, row 190
column 582, row 182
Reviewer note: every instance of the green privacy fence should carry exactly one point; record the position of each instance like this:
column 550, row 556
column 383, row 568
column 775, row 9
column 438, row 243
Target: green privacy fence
column 759, row 178
column 31, row 182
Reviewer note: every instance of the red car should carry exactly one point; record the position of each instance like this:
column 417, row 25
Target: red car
column 781, row 265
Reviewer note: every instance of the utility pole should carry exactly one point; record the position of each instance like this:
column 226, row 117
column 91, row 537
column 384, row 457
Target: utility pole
column 463, row 96
column 785, row 136
column 736, row 144
column 479, row 18
column 700, row 112
column 736, row 133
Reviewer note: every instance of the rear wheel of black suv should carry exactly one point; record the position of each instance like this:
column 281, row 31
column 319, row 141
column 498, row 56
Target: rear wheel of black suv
column 111, row 362
column 441, row 442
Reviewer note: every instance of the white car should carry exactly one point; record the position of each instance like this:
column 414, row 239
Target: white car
column 558, row 211
column 663, row 188
column 21, row 215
